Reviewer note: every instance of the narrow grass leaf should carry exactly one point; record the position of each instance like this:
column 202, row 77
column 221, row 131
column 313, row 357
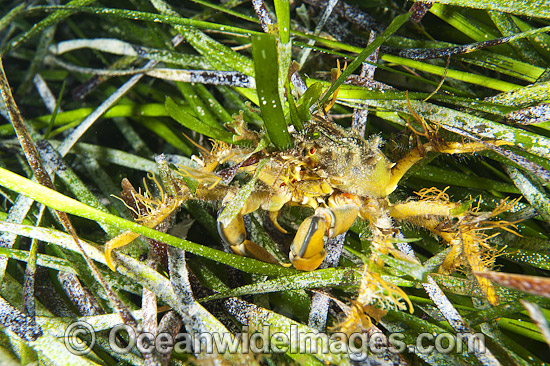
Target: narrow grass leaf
column 146, row 16
column 8, row 18
column 17, row 322
column 541, row 42
column 293, row 111
column 308, row 99
column 54, row 351
column 470, row 288
column 523, row 97
column 538, row 317
column 532, row 191
column 257, row 318
column 118, row 47
column 283, row 19
column 480, row 127
column 195, row 124
column 160, row 128
column 212, row 104
column 396, row 23
column 447, row 176
column 42, row 259
column 71, row 180
column 199, row 109
column 468, row 77
column 77, row 115
column 532, row 8
column 218, row 55
column 55, row 326
column 117, row 157
column 264, row 51
column 307, row 280
column 61, row 13
column 522, row 47
column 410, row 337
column 179, row 279
column 415, row 270
column 521, row 328
column 504, row 65
column 208, row 77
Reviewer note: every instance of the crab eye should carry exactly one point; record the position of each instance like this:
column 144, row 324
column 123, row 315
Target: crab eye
column 312, row 151
column 313, row 135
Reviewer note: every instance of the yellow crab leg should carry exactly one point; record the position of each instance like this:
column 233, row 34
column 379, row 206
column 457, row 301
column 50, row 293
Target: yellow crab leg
column 234, row 233
column 403, row 165
column 335, row 74
column 117, row 242
column 472, row 252
column 465, row 245
column 151, row 220
column 273, row 217
column 421, row 208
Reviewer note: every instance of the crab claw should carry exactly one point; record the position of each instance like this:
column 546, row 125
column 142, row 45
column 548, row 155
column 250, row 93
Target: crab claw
column 234, row 235
column 308, row 248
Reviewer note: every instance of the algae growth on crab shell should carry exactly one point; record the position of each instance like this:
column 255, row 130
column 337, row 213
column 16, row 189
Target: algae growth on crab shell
column 345, row 160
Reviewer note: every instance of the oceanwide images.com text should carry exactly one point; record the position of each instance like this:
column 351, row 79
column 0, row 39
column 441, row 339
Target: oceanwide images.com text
column 80, row 337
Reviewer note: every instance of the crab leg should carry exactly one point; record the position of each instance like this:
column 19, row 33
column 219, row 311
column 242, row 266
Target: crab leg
column 466, row 237
column 417, row 154
column 424, row 208
column 234, row 233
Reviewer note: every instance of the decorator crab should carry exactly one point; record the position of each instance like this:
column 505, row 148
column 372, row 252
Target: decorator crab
column 341, row 176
